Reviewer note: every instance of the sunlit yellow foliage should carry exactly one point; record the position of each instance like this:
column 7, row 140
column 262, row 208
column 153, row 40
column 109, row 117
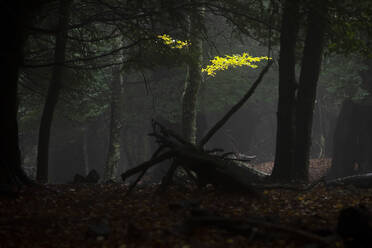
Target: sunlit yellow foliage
column 223, row 63
column 172, row 43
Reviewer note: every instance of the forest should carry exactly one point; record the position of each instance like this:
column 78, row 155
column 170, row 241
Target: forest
column 189, row 123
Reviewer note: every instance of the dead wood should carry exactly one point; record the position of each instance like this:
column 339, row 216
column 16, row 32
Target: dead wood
column 213, row 169
column 146, row 165
column 210, row 168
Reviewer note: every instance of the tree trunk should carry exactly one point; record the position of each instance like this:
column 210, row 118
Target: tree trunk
column 194, row 76
column 53, row 92
column 344, row 142
column 13, row 21
column 310, row 68
column 322, row 123
column 285, row 138
column 85, row 149
column 126, row 149
column 113, row 156
column 352, row 141
column 366, row 76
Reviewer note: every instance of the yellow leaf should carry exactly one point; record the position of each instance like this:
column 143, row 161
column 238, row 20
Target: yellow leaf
column 223, row 63
column 173, row 43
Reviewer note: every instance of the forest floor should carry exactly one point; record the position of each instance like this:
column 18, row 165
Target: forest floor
column 100, row 215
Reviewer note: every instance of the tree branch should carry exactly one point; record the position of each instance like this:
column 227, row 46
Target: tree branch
column 235, row 108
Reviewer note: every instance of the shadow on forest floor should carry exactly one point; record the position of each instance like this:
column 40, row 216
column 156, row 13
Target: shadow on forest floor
column 99, row 215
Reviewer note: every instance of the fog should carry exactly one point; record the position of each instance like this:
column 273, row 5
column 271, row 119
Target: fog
column 80, row 143
column 80, row 129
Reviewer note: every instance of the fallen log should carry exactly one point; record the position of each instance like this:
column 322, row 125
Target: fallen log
column 221, row 172
column 209, row 167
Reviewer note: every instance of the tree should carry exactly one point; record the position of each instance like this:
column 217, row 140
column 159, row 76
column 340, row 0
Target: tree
column 113, row 156
column 53, row 91
column 295, row 109
column 284, row 156
column 310, row 68
column 194, row 75
column 14, row 18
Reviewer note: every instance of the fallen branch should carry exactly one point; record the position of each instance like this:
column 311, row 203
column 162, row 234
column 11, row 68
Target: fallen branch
column 209, row 168
column 146, row 165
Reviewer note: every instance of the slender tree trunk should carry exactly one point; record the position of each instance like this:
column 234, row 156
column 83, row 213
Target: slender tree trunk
column 146, row 148
column 85, row 150
column 284, row 155
column 322, row 130
column 113, row 156
column 194, row 76
column 366, row 76
column 53, row 92
column 126, row 148
column 310, row 68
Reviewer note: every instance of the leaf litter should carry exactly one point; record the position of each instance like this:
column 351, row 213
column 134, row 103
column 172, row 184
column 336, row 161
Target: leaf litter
column 101, row 215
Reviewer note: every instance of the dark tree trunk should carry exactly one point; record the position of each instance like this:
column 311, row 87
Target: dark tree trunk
column 366, row 76
column 126, row 145
column 344, row 142
column 352, row 140
column 310, row 68
column 352, row 143
column 11, row 56
column 113, row 156
column 12, row 20
column 53, row 92
column 194, row 76
column 284, row 155
column 85, row 131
